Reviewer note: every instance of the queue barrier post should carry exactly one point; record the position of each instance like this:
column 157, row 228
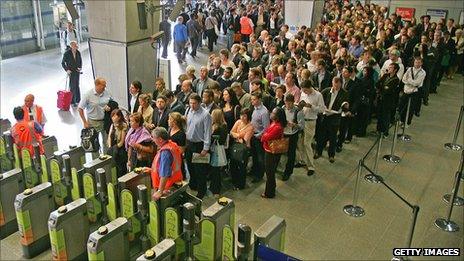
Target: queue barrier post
column 453, row 145
column 392, row 158
column 354, row 210
column 403, row 136
column 447, row 224
column 372, row 177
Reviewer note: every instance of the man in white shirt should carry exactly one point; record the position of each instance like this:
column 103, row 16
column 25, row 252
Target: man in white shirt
column 413, row 80
column 69, row 35
column 394, row 58
column 311, row 103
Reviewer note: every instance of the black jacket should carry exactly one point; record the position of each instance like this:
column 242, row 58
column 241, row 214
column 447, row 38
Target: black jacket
column 326, row 82
column 340, row 100
column 163, row 121
column 177, row 107
column 212, row 75
column 136, row 105
column 70, row 63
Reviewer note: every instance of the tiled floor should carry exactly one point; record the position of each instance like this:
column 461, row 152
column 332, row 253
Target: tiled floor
column 317, row 228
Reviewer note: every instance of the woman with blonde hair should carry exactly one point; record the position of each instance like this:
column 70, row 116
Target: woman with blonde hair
column 139, row 144
column 160, row 88
column 145, row 109
column 177, row 134
column 218, row 137
column 190, row 72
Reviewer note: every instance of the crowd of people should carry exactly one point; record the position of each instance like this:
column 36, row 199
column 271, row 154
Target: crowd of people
column 277, row 92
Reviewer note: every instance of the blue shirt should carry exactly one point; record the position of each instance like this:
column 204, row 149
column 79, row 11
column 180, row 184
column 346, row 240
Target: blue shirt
column 199, row 127
column 164, row 165
column 260, row 120
column 180, row 33
column 356, row 51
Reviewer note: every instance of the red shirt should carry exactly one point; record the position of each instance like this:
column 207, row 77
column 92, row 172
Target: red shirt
column 273, row 132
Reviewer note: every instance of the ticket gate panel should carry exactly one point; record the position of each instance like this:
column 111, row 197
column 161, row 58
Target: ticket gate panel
column 60, row 191
column 228, row 244
column 69, row 230
column 154, row 223
column 109, row 242
column 271, row 234
column 164, row 251
column 93, row 205
column 127, row 211
column 31, row 177
column 50, row 145
column 11, row 184
column 76, row 154
column 33, row 207
column 105, row 162
column 206, row 250
column 132, row 179
column 111, row 208
column 222, row 213
column 5, row 162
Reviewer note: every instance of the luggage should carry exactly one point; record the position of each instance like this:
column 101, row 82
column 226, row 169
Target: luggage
column 64, row 97
column 89, row 140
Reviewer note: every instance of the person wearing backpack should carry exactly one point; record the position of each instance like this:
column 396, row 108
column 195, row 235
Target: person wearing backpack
column 69, row 35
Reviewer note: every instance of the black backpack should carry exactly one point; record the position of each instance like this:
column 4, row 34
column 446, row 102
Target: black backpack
column 89, row 140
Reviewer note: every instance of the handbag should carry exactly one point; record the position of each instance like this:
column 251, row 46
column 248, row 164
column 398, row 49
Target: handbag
column 217, row 31
column 89, row 140
column 279, row 146
column 238, row 152
column 218, row 155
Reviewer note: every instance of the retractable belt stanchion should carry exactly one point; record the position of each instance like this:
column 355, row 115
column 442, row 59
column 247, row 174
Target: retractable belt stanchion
column 371, row 177
column 447, row 224
column 453, row 145
column 392, row 158
column 354, row 210
column 403, row 136
column 458, row 201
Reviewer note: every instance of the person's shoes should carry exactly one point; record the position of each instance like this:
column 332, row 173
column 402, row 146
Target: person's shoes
column 256, row 180
column 299, row 165
column 417, row 114
column 331, row 159
column 180, row 61
column 310, row 172
column 264, row 196
column 426, row 103
column 164, row 57
column 347, row 141
column 316, row 156
column 338, row 149
column 285, row 177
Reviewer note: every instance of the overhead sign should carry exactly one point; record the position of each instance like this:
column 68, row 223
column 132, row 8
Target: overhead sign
column 406, row 13
column 437, row 14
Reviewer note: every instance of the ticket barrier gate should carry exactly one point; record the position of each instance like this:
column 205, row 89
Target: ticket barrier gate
column 7, row 159
column 50, row 145
column 109, row 242
column 164, row 251
column 215, row 227
column 105, row 164
column 69, row 230
column 77, row 161
column 11, row 184
column 271, row 234
column 33, row 207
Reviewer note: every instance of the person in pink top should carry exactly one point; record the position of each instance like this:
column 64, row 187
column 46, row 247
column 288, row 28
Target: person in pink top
column 290, row 86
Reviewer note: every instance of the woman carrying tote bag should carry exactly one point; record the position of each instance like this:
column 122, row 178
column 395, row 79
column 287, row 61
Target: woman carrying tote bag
column 274, row 145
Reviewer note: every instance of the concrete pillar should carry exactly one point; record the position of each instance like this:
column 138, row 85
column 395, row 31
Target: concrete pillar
column 38, row 24
column 120, row 51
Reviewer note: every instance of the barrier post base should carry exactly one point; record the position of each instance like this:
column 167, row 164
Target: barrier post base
column 373, row 178
column 353, row 211
column 448, row 226
column 400, row 258
column 453, row 146
column 404, row 137
column 458, row 201
column 392, row 158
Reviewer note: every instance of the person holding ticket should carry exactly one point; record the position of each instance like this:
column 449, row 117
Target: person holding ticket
column 336, row 101
column 198, row 142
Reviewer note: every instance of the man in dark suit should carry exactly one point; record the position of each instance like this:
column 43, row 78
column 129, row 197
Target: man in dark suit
column 165, row 26
column 322, row 79
column 387, row 87
column 135, row 90
column 173, row 104
column 72, row 64
column 208, row 101
column 160, row 113
column 216, row 70
column 336, row 101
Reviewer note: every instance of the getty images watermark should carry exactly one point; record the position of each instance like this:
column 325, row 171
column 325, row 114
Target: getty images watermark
column 426, row 251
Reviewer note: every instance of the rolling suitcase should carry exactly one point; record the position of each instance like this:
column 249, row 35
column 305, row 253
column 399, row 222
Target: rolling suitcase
column 64, row 97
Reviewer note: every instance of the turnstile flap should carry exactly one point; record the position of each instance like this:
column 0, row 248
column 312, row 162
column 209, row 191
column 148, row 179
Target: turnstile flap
column 66, row 212
column 76, row 154
column 219, row 207
column 29, row 195
column 270, row 227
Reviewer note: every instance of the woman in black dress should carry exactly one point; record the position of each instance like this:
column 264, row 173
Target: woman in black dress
column 231, row 107
column 176, row 131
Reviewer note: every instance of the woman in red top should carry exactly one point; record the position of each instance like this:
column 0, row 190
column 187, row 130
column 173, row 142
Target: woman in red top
column 273, row 132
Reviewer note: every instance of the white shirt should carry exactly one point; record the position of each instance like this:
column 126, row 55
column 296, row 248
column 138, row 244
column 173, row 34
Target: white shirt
column 387, row 63
column 333, row 96
column 413, row 80
column 317, row 104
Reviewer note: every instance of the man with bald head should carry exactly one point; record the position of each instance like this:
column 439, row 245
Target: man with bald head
column 33, row 112
column 95, row 103
column 203, row 82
